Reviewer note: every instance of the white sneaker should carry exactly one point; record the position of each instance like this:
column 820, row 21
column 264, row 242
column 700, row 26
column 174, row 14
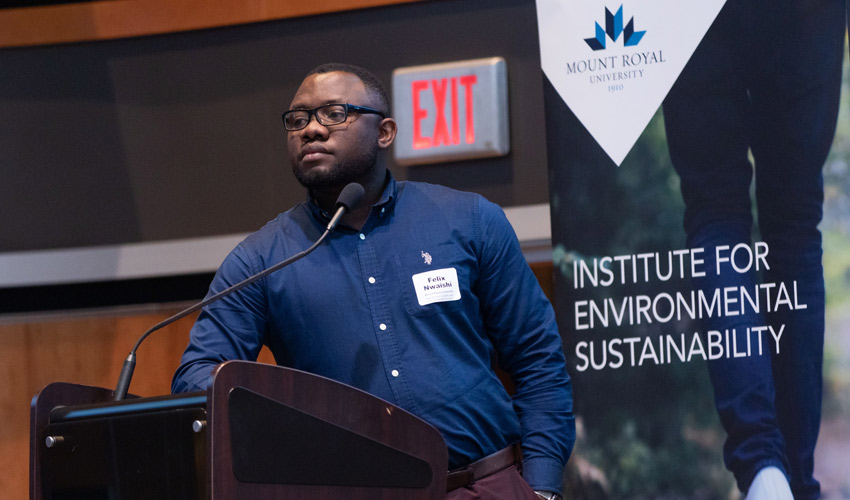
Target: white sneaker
column 770, row 484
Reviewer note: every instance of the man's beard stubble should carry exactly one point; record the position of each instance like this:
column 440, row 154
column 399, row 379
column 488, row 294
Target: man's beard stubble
column 342, row 173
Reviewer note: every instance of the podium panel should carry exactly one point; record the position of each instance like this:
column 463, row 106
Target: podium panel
column 137, row 450
column 260, row 431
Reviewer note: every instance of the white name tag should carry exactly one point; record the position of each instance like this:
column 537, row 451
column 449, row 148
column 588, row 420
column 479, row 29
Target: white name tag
column 439, row 285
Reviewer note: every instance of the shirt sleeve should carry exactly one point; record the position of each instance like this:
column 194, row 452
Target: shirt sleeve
column 521, row 324
column 231, row 328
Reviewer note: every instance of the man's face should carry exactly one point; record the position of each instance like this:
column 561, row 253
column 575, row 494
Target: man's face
column 332, row 156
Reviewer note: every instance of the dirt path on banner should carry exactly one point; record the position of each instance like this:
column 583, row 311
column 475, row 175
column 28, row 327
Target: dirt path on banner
column 832, row 459
column 832, row 456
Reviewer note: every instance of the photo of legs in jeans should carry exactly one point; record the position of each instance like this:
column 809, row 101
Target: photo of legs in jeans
column 765, row 80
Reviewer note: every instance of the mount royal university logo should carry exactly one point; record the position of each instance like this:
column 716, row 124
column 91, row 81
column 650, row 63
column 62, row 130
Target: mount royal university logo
column 622, row 64
column 614, row 28
column 615, row 80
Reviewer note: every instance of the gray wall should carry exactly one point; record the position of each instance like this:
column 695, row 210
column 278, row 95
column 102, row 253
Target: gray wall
column 179, row 136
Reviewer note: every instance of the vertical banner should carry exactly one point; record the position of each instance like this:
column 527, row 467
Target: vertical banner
column 699, row 191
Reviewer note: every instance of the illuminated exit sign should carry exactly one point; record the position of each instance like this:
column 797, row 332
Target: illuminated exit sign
column 451, row 111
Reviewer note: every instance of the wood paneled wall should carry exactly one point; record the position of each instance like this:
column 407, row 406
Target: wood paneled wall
column 86, row 350
column 109, row 19
column 83, row 348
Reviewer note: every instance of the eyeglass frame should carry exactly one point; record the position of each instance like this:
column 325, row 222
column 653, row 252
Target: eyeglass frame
column 311, row 113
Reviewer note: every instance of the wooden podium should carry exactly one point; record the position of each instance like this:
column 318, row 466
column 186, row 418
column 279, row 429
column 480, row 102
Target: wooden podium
column 258, row 432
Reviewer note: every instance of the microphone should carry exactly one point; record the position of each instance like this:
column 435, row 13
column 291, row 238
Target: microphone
column 349, row 198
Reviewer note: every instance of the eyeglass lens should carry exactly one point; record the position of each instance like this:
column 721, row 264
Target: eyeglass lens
column 330, row 114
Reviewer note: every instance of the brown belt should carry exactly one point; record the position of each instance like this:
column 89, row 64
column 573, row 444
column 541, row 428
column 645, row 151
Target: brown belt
column 479, row 469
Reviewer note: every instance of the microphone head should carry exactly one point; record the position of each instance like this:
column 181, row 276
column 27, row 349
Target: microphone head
column 351, row 196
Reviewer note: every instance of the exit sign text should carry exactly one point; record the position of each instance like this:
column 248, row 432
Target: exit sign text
column 451, row 111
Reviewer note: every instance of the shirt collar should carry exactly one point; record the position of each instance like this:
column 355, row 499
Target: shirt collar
column 390, row 193
column 385, row 202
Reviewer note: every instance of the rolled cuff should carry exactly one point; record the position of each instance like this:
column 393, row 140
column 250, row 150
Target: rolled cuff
column 544, row 474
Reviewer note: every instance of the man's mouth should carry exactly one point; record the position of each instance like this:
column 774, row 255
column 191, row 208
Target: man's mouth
column 313, row 152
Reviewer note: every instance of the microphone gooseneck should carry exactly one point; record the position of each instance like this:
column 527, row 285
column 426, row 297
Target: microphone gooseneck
column 349, row 198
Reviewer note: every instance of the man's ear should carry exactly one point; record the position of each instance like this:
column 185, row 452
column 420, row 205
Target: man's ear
column 386, row 132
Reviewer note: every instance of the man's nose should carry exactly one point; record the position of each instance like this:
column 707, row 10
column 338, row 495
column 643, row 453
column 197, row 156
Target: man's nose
column 314, row 128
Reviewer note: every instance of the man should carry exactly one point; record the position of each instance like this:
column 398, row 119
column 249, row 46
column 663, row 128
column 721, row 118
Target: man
column 360, row 309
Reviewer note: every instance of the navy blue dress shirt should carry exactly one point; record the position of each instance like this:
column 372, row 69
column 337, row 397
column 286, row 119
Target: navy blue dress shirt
column 413, row 308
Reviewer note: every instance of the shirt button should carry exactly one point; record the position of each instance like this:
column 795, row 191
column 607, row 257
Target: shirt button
column 382, row 326
column 371, row 280
column 362, row 236
column 394, row 373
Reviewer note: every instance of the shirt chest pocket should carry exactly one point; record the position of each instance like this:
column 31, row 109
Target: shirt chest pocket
column 431, row 280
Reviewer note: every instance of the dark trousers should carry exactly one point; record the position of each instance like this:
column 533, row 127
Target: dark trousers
column 506, row 484
column 765, row 79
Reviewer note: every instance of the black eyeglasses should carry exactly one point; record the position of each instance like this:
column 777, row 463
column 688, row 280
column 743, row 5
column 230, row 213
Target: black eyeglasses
column 329, row 114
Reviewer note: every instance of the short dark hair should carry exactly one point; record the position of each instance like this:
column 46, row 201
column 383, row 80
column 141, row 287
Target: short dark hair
column 372, row 83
